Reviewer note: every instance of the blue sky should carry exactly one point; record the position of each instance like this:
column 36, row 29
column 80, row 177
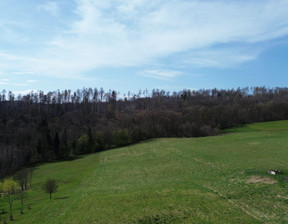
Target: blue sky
column 142, row 44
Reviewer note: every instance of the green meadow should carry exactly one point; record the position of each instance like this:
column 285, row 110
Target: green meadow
column 219, row 179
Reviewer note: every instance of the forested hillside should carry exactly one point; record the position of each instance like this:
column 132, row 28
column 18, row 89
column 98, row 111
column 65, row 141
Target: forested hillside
column 40, row 127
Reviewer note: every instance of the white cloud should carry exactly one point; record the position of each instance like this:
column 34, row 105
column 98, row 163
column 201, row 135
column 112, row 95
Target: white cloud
column 219, row 58
column 161, row 74
column 32, row 81
column 23, row 73
column 107, row 34
column 18, row 84
column 120, row 33
column 25, row 92
column 50, row 7
column 7, row 83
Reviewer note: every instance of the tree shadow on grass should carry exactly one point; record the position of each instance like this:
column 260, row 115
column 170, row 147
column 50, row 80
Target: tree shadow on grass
column 64, row 197
column 3, row 212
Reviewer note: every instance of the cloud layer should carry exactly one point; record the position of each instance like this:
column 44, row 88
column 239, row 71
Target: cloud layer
column 161, row 74
column 118, row 33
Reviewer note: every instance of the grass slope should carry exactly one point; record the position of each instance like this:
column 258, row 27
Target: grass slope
column 189, row 180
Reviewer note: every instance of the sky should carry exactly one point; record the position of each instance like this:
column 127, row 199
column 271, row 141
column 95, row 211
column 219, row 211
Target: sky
column 127, row 45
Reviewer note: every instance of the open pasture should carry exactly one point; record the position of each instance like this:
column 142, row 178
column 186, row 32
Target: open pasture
column 220, row 179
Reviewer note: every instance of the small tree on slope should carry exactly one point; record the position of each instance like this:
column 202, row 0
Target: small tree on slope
column 10, row 188
column 50, row 186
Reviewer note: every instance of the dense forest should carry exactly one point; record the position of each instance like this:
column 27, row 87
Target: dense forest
column 39, row 127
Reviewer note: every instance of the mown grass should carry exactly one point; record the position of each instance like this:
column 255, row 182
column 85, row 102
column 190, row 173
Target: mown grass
column 188, row 180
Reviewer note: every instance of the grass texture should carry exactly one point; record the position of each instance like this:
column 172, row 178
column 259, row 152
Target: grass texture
column 219, row 179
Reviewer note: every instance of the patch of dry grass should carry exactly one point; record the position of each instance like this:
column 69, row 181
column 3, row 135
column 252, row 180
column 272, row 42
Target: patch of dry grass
column 258, row 179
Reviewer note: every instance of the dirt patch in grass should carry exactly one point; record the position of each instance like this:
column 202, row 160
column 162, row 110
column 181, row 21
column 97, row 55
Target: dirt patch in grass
column 258, row 179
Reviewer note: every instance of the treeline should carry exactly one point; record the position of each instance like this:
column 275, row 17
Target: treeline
column 40, row 127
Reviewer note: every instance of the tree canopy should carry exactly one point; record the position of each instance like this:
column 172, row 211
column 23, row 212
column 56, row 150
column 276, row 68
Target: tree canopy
column 39, row 127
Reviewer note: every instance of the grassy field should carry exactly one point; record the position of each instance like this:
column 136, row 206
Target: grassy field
column 221, row 179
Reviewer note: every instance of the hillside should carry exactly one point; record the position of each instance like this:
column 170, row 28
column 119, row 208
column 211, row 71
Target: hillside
column 46, row 127
column 219, row 179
